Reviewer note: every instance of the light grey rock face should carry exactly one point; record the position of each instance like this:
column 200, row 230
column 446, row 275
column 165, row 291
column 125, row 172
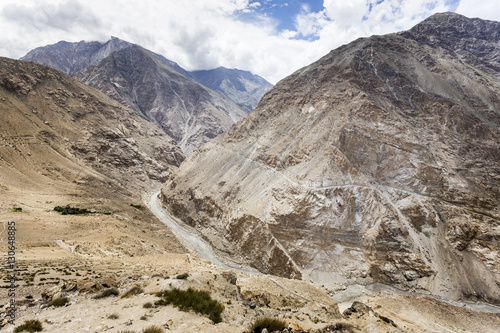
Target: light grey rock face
column 379, row 162
column 72, row 57
column 243, row 87
column 187, row 111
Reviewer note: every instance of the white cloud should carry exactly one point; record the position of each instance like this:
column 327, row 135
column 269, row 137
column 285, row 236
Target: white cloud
column 202, row 34
column 343, row 21
column 488, row 10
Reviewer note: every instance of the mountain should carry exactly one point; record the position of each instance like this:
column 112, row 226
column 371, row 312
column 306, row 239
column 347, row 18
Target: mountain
column 377, row 163
column 243, row 87
column 187, row 111
column 65, row 143
column 191, row 107
column 72, row 57
column 73, row 121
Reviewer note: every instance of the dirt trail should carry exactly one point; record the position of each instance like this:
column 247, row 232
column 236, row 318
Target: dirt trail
column 189, row 237
column 64, row 245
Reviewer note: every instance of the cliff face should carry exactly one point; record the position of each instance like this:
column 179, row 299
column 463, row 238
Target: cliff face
column 379, row 162
column 187, row 111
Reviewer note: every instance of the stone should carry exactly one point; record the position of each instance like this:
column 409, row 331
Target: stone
column 357, row 308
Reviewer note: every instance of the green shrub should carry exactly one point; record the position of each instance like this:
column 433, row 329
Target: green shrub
column 147, row 305
column 58, row 302
column 387, row 320
column 107, row 293
column 140, row 207
column 133, row 291
column 153, row 329
column 199, row 301
column 113, row 316
column 271, row 324
column 183, row 276
column 67, row 210
column 29, row 326
column 17, row 209
column 338, row 327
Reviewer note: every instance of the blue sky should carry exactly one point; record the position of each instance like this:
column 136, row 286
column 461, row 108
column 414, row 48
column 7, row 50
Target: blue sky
column 268, row 37
column 283, row 12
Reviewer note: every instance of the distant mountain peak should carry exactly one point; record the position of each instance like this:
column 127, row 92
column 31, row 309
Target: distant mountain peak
column 245, row 88
column 71, row 57
column 192, row 107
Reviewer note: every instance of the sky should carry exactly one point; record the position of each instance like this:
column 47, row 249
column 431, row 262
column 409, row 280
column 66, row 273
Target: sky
column 269, row 38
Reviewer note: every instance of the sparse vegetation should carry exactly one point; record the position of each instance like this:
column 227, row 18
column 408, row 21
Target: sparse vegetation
column 387, row 320
column 17, row 209
column 68, row 210
column 58, row 302
column 183, row 276
column 271, row 324
column 139, row 207
column 113, row 316
column 143, row 318
column 133, row 291
column 153, row 329
column 147, row 305
column 338, row 327
column 33, row 325
column 107, row 293
column 196, row 300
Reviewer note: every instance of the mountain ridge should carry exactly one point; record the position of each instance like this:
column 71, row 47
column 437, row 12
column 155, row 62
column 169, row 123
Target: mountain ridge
column 378, row 162
column 243, row 87
column 72, row 57
column 189, row 111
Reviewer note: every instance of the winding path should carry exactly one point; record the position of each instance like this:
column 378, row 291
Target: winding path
column 65, row 246
column 190, row 237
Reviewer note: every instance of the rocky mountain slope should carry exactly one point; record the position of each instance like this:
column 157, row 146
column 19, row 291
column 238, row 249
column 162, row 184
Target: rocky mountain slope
column 243, row 87
column 192, row 107
column 64, row 143
column 72, row 57
column 187, row 111
column 378, row 162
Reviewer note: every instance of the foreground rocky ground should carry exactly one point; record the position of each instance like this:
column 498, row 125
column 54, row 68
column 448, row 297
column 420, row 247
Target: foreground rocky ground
column 246, row 297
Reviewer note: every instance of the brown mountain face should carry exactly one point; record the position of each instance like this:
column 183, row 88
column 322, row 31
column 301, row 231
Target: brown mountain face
column 187, row 111
column 377, row 163
column 62, row 142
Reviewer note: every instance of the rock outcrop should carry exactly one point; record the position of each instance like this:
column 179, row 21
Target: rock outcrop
column 378, row 162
